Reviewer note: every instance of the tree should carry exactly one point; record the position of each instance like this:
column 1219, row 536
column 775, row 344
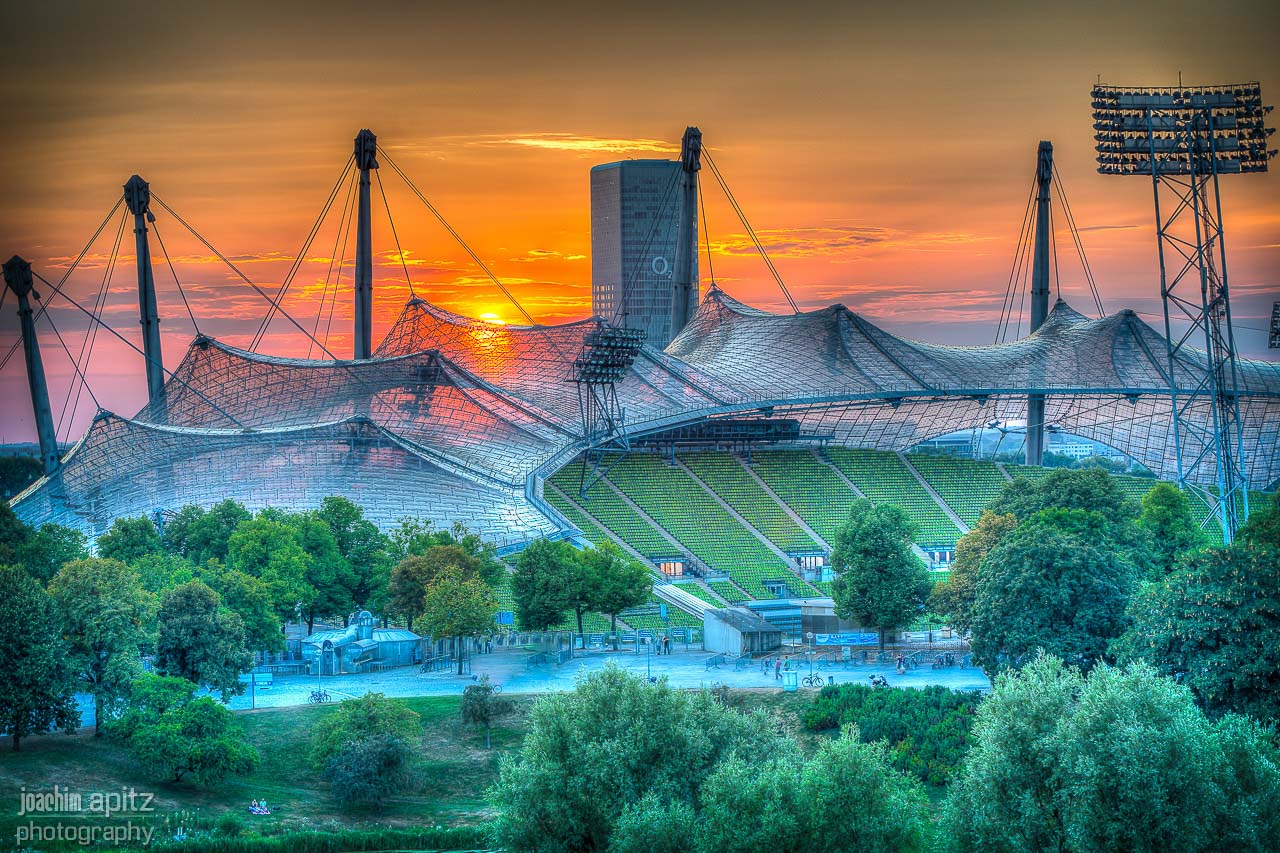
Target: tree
column 879, row 580
column 129, row 539
column 367, row 770
column 416, row 536
column 954, row 598
column 106, row 616
column 250, row 599
column 618, row 581
column 1166, row 516
column 1115, row 760
column 149, row 698
column 201, row 641
column 541, row 583
column 160, row 572
column 267, row 548
column 37, row 684
column 1262, row 530
column 1093, row 490
column 591, row 753
column 651, row 826
column 454, row 605
column 414, row 574
column 201, row 536
column 12, row 534
column 16, row 473
column 1214, row 624
column 481, row 705
column 328, row 574
column 1054, row 583
column 361, row 544
column 196, row 738
column 371, row 715
column 49, row 548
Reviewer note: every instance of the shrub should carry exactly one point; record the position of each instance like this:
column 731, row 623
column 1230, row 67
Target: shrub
column 927, row 730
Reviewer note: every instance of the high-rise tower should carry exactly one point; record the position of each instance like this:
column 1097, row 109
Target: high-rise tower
column 635, row 216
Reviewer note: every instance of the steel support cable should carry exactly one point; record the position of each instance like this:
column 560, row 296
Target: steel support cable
column 119, row 201
column 155, row 226
column 706, row 235
column 301, row 257
column 340, row 256
column 237, row 271
column 1053, row 244
column 84, row 382
column 1015, row 272
column 628, row 283
column 1075, row 234
column 99, row 303
column 751, row 231
column 333, row 257
column 131, row 345
column 456, row 236
column 395, row 236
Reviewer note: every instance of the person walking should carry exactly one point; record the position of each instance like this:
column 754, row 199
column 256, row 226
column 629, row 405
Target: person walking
column 777, row 670
column 666, row 644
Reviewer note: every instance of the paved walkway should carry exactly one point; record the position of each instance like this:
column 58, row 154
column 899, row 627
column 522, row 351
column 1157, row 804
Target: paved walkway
column 684, row 669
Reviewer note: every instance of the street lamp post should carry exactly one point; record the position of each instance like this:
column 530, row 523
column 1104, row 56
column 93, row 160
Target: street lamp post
column 809, row 637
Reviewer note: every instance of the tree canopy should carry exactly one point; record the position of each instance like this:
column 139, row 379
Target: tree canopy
column 1166, row 516
column 541, row 584
column 130, row 539
column 455, row 605
column 1120, row 759
column 201, row 641
column 619, row 764
column 106, row 617
column 37, row 682
column 954, row 598
column 1214, row 623
column 1054, row 583
column 879, row 580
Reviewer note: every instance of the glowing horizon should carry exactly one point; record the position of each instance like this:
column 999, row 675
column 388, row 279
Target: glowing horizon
column 883, row 159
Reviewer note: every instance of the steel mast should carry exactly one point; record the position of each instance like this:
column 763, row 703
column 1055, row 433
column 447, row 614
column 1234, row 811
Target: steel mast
column 17, row 275
column 684, row 299
column 137, row 195
column 1040, row 293
column 365, row 155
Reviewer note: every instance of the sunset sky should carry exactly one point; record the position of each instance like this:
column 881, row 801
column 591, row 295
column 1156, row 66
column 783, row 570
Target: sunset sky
column 884, row 153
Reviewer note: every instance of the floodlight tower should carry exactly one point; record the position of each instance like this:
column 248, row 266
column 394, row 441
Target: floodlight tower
column 1040, row 293
column 137, row 195
column 1184, row 137
column 607, row 353
column 366, row 159
column 17, row 275
column 684, row 301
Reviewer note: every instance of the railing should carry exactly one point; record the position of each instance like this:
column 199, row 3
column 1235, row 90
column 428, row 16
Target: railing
column 715, row 662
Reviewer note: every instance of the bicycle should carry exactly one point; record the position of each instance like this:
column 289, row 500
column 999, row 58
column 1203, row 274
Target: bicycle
column 814, row 680
column 318, row 697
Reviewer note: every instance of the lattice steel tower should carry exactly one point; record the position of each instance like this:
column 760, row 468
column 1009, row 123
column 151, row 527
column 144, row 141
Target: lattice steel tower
column 1183, row 138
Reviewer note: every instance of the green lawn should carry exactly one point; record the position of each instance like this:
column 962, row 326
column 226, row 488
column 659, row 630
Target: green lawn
column 452, row 773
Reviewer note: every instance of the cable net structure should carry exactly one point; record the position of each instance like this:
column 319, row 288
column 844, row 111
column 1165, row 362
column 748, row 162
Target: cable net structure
column 458, row 420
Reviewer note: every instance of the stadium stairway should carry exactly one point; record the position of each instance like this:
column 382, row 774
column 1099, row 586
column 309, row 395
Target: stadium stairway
column 678, row 597
column 946, row 507
column 776, row 498
column 782, row 555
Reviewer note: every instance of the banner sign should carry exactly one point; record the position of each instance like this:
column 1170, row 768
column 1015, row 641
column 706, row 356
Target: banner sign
column 848, row 639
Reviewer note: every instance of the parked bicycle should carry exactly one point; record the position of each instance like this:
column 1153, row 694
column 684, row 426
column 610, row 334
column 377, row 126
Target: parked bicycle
column 814, row 680
column 318, row 697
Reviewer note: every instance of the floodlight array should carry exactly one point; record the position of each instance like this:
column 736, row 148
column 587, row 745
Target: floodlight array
column 607, row 353
column 1181, row 130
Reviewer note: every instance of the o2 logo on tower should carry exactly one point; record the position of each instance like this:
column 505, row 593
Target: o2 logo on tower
column 660, row 266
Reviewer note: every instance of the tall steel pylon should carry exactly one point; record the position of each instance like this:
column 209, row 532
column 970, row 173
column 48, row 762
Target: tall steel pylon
column 1184, row 138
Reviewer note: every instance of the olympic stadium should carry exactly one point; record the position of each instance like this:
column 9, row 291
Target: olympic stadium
column 726, row 459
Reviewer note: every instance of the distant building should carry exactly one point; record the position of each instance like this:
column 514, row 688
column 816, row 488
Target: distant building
column 634, row 212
